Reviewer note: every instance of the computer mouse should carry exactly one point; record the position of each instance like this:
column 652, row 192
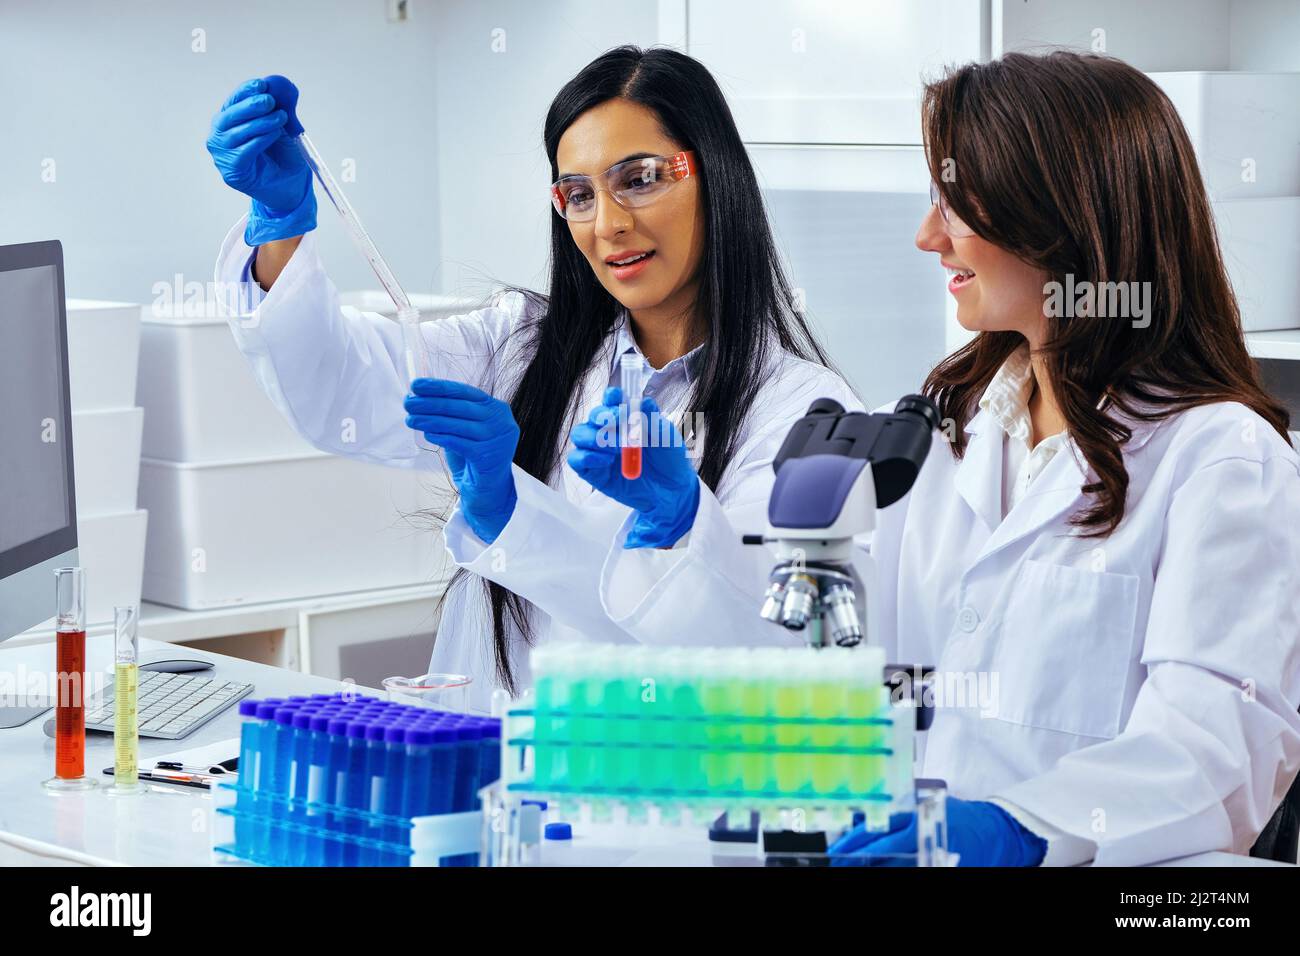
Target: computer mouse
column 177, row 665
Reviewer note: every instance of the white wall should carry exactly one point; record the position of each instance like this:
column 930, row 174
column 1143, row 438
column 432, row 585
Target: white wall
column 492, row 169
column 115, row 95
column 1265, row 35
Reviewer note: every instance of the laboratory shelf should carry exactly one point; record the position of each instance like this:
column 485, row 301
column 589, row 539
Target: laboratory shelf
column 1279, row 344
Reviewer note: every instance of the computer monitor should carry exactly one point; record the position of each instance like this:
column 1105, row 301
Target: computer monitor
column 38, row 510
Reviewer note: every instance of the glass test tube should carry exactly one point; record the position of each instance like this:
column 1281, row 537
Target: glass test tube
column 126, row 681
column 70, row 682
column 632, row 368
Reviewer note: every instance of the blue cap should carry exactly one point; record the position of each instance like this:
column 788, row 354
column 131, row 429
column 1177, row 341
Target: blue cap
column 266, row 710
column 419, row 736
column 375, row 731
column 321, row 723
column 558, row 831
column 248, row 708
column 338, row 725
column 302, row 719
column 492, row 729
column 470, row 731
column 395, row 733
column 284, row 715
column 357, row 729
column 322, row 696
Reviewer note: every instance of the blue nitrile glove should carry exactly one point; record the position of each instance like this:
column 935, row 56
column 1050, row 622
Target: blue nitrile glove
column 665, row 497
column 981, row 832
column 253, row 145
column 478, row 434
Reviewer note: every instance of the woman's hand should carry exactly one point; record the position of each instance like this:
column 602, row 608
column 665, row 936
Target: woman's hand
column 255, row 155
column 667, row 494
column 478, row 435
column 982, row 833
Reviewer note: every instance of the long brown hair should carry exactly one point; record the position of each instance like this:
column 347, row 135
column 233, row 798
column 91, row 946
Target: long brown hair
column 1079, row 165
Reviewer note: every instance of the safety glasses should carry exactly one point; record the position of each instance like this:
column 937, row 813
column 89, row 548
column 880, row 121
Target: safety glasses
column 952, row 223
column 637, row 182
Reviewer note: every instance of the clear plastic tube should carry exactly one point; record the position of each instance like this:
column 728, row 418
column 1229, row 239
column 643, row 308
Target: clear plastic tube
column 632, row 372
column 352, row 222
column 408, row 317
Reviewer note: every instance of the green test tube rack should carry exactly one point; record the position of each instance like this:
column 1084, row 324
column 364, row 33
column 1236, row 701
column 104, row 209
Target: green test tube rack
column 711, row 727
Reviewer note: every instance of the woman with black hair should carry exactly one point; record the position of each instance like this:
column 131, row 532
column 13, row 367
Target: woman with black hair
column 660, row 249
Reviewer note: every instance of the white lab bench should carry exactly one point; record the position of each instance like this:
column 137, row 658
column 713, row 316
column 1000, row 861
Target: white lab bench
column 172, row 826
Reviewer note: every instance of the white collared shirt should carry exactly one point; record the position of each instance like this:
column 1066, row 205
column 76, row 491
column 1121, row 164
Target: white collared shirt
column 1007, row 400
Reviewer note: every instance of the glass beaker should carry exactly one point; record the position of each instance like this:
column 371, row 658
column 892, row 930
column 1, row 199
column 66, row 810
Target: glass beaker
column 435, row 691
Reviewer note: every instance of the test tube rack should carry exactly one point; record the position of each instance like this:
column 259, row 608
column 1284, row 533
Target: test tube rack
column 665, row 731
column 347, row 780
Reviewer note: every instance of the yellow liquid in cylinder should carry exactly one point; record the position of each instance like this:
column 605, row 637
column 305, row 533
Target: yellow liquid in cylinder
column 126, row 740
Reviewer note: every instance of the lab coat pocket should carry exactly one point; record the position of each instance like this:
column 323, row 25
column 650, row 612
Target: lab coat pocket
column 1064, row 648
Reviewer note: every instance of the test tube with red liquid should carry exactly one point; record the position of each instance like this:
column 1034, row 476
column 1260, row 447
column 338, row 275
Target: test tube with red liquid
column 70, row 682
column 632, row 370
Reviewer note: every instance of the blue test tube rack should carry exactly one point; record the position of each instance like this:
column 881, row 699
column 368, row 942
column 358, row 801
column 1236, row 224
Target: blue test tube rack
column 336, row 779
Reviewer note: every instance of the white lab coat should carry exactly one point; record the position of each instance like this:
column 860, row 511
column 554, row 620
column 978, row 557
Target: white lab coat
column 1147, row 683
column 323, row 366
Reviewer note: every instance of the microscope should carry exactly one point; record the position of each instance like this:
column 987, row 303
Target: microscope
column 833, row 471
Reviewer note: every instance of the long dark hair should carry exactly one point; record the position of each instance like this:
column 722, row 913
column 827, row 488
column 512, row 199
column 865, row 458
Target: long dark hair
column 1079, row 165
column 743, row 300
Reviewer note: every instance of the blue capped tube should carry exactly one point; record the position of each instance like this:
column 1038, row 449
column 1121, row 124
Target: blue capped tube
column 299, row 772
column 490, row 753
column 336, row 780
column 247, row 819
column 356, row 796
column 282, row 780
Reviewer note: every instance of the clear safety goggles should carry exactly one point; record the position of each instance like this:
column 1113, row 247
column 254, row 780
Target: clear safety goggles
column 952, row 223
column 637, row 182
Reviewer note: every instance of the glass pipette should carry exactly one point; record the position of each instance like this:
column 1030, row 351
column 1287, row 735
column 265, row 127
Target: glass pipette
column 408, row 317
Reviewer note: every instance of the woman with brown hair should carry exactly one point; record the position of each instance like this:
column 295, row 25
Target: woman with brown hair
column 1107, row 543
column 1101, row 555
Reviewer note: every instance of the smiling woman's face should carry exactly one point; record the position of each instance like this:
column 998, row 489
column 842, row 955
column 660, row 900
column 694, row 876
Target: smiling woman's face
column 671, row 229
column 995, row 290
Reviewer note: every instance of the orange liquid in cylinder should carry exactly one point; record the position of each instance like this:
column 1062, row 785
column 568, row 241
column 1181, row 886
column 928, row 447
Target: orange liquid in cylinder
column 631, row 462
column 70, row 705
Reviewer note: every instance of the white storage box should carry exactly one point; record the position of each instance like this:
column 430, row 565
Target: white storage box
column 1260, row 239
column 1241, row 118
column 239, row 532
column 103, row 351
column 430, row 306
column 106, row 460
column 201, row 400
column 111, row 549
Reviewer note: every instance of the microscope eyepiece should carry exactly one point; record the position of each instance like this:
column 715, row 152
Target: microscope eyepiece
column 825, row 406
column 919, row 405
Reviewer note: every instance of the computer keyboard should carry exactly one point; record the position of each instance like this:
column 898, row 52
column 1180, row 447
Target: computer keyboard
column 169, row 706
